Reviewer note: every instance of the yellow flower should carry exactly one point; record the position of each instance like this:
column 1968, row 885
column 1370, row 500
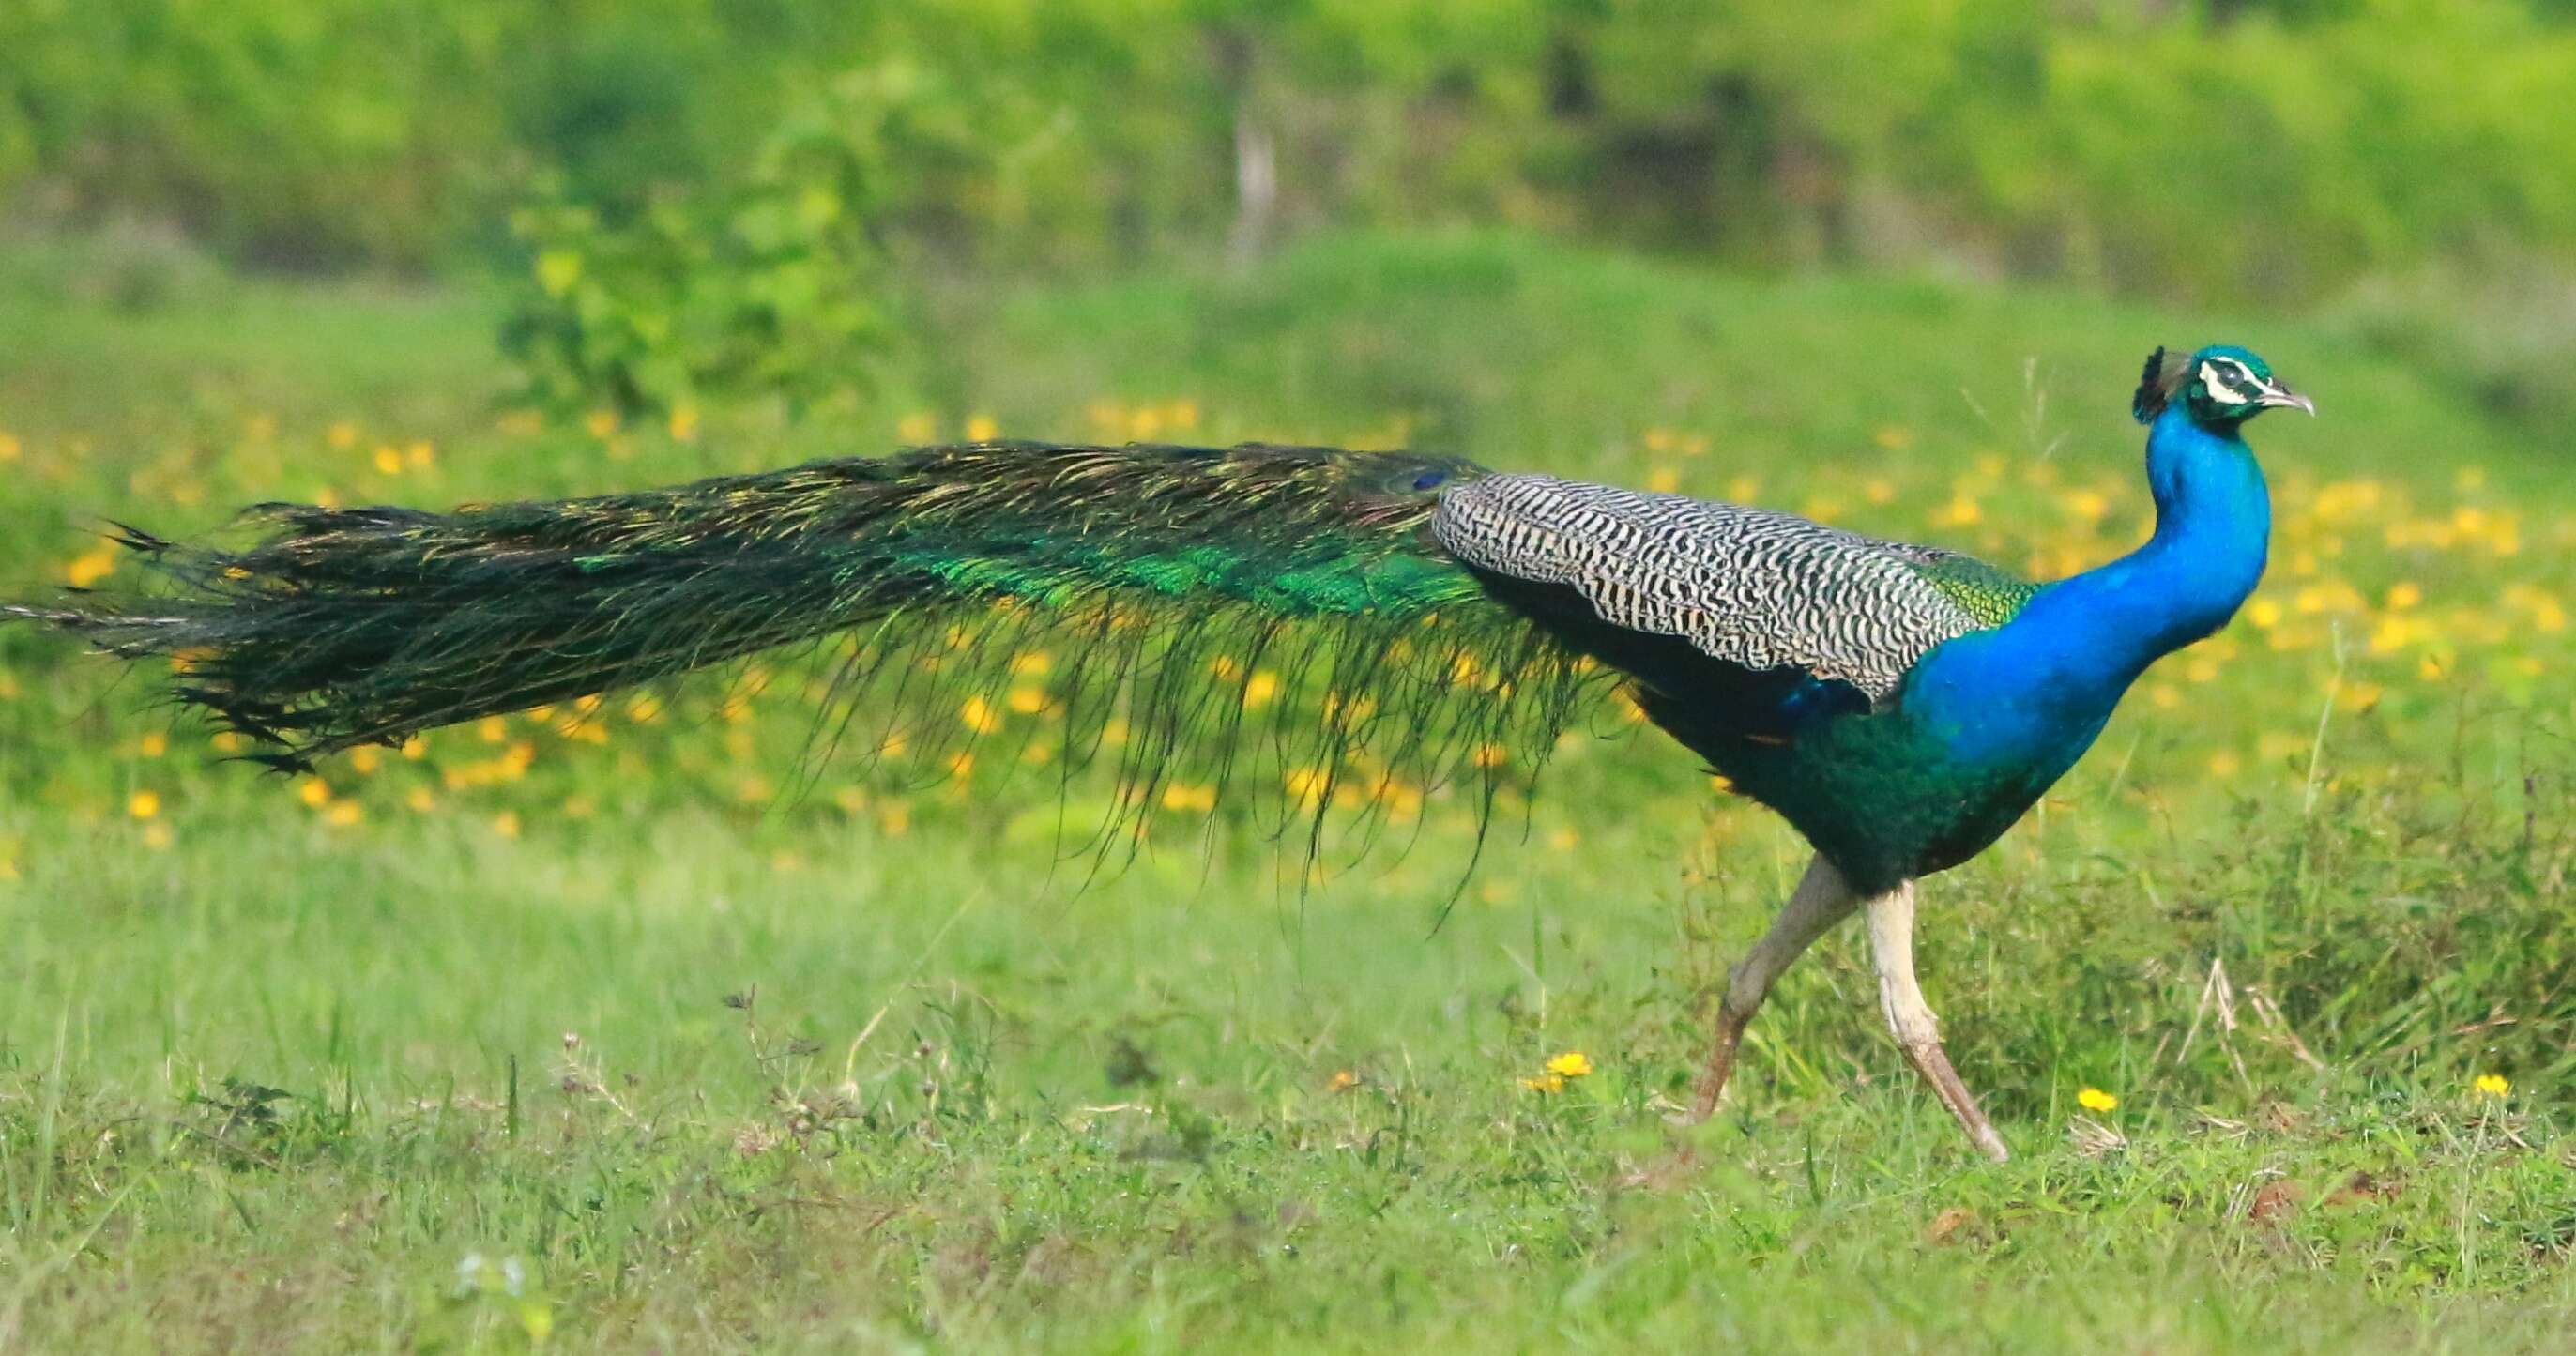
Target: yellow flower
column 981, row 429
column 506, row 823
column 1545, row 1083
column 90, row 568
column 143, row 804
column 2493, row 1085
column 315, row 792
column 1571, row 1064
column 1343, row 1080
column 1305, row 785
column 154, row 745
column 2096, row 1100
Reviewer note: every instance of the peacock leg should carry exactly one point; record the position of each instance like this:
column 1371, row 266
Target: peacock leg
column 1821, row 900
column 1918, row 1033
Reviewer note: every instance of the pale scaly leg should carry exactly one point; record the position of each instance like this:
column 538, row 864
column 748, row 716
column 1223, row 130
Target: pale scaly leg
column 1822, row 899
column 1918, row 1033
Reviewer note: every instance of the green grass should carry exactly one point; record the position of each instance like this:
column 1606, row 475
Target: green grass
column 862, row 1067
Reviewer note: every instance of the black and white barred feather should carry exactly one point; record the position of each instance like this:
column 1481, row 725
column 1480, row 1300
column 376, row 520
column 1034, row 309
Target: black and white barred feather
column 1752, row 587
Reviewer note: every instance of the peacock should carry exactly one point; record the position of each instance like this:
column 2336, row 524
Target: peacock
column 1900, row 705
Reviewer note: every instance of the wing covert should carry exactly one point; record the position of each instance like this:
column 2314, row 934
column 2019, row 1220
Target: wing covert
column 1753, row 587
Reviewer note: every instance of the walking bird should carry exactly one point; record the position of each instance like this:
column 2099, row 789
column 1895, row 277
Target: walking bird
column 1900, row 705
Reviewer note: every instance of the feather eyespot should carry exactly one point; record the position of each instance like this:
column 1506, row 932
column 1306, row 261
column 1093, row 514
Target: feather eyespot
column 1429, row 479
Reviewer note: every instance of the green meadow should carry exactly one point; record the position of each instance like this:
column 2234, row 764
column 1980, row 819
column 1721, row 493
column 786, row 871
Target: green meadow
column 632, row 1026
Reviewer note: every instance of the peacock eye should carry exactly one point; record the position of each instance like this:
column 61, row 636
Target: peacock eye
column 2226, row 381
column 1428, row 479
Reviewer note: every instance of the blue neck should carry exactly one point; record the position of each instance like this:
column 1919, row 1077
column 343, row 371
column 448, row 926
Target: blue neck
column 2049, row 678
column 2213, row 531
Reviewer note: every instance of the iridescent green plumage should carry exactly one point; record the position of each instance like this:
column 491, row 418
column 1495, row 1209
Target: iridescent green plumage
column 1984, row 592
column 1270, row 617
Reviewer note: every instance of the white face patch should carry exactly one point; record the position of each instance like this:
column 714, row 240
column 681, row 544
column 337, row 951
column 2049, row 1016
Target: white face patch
column 2218, row 389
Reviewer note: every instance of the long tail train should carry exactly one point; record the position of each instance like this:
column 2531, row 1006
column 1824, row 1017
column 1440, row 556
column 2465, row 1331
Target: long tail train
column 1277, row 615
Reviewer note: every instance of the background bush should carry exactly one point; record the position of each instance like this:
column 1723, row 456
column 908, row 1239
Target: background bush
column 741, row 184
column 2282, row 148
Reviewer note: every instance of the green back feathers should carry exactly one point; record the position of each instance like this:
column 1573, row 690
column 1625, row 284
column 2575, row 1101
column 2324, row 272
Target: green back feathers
column 1983, row 591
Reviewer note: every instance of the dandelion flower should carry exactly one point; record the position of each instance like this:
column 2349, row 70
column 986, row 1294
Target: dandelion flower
column 2096, row 1100
column 2493, row 1085
column 1343, row 1080
column 143, row 804
column 1571, row 1064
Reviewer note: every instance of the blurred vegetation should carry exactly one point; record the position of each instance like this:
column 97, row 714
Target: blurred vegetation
column 708, row 193
column 2281, row 146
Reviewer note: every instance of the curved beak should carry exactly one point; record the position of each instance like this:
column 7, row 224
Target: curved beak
column 2277, row 396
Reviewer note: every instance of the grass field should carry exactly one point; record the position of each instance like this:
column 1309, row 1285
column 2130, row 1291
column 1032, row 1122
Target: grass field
column 607, row 1029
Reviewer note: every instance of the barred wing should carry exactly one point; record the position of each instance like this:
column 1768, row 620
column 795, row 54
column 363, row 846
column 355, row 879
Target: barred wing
column 1755, row 588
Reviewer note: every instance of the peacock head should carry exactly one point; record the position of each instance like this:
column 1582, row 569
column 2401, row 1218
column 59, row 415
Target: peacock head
column 2220, row 387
